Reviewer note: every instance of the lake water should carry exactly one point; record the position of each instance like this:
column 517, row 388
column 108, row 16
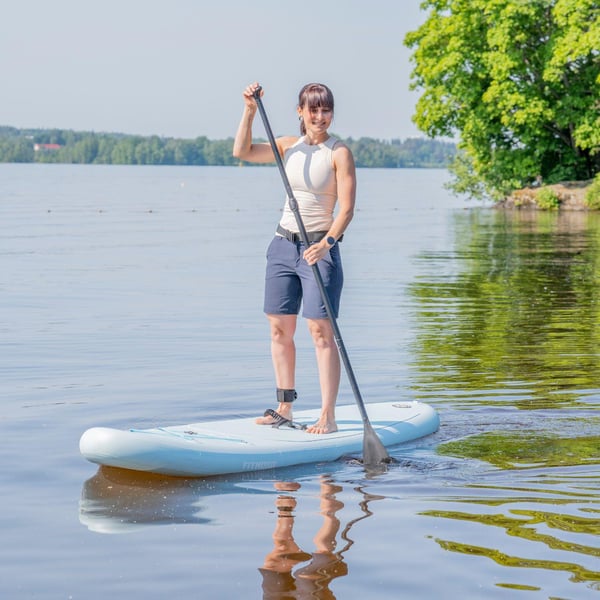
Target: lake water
column 132, row 296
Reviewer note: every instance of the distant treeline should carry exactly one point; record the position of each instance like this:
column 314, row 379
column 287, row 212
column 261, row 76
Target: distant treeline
column 66, row 146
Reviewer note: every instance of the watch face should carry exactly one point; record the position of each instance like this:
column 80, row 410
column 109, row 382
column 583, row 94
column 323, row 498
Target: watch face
column 331, row 240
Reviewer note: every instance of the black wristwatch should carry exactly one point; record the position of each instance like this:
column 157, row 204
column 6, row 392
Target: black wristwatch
column 330, row 240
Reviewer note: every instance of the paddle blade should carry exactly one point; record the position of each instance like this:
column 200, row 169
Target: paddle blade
column 374, row 452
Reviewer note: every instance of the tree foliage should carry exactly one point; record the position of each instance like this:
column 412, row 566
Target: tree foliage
column 518, row 81
column 17, row 145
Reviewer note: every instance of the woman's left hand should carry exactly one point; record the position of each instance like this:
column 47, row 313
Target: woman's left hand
column 315, row 252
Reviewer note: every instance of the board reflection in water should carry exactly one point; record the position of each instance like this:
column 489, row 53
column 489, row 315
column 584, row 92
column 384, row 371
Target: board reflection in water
column 120, row 501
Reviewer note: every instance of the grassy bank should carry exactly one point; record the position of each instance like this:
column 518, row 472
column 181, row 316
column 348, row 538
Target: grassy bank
column 567, row 195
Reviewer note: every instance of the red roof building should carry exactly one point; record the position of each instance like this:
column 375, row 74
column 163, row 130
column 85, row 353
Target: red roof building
column 46, row 147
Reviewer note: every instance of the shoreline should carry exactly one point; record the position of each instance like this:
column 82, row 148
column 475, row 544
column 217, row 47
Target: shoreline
column 571, row 196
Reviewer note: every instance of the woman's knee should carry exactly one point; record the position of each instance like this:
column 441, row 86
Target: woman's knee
column 321, row 332
column 282, row 328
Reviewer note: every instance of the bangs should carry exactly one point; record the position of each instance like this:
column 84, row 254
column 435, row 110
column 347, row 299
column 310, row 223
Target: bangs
column 316, row 95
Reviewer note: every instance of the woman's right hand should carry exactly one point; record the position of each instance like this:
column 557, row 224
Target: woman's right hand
column 248, row 95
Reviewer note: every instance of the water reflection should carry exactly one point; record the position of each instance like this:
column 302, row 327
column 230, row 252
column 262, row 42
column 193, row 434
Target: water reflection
column 526, row 449
column 280, row 575
column 557, row 516
column 512, row 308
column 119, row 501
column 281, row 570
column 507, row 331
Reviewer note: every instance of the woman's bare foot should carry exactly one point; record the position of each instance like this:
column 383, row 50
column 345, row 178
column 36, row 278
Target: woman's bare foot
column 284, row 409
column 323, row 425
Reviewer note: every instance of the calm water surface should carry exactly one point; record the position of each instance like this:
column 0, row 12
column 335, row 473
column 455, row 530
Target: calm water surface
column 131, row 296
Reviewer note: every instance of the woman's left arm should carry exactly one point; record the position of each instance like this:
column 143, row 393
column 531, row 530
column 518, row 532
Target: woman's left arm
column 345, row 173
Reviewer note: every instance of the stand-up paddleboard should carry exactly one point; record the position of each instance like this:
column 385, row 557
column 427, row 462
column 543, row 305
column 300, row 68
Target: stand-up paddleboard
column 239, row 445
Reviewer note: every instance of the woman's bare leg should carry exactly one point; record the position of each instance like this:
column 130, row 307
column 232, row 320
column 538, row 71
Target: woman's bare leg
column 328, row 362
column 283, row 354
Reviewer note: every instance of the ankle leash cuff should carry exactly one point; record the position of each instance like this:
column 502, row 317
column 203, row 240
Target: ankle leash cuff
column 286, row 395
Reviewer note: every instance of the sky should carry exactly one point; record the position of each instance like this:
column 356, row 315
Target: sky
column 177, row 68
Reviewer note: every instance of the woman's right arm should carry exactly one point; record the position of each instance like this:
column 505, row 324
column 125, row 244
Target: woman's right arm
column 243, row 148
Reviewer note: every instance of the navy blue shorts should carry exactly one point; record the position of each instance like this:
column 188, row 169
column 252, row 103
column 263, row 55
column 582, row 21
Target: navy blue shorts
column 290, row 281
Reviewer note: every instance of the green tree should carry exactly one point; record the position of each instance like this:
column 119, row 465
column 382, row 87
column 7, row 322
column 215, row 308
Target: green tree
column 148, row 151
column 518, row 81
column 16, row 149
column 85, row 151
column 106, row 145
column 219, row 152
column 123, row 152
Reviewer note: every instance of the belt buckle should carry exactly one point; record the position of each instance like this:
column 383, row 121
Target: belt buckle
column 290, row 236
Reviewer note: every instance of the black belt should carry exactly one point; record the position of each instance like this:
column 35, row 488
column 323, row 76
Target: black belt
column 296, row 238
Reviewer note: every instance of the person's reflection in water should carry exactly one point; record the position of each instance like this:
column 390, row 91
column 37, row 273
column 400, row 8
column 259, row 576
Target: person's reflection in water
column 280, row 582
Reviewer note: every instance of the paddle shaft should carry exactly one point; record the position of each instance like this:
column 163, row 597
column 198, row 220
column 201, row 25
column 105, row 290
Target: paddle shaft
column 373, row 450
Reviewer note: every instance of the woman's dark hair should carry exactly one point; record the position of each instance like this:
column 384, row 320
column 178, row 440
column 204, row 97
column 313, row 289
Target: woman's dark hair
column 314, row 95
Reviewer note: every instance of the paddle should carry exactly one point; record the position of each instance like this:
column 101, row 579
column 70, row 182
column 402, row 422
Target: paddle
column 374, row 452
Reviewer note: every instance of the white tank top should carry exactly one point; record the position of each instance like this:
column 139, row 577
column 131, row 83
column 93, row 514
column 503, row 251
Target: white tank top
column 312, row 177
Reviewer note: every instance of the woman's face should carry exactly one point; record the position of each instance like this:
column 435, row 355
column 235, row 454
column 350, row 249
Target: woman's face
column 317, row 119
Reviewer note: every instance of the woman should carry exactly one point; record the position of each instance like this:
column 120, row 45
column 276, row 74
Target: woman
column 321, row 172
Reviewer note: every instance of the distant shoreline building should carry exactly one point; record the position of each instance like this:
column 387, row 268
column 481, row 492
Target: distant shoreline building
column 46, row 147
